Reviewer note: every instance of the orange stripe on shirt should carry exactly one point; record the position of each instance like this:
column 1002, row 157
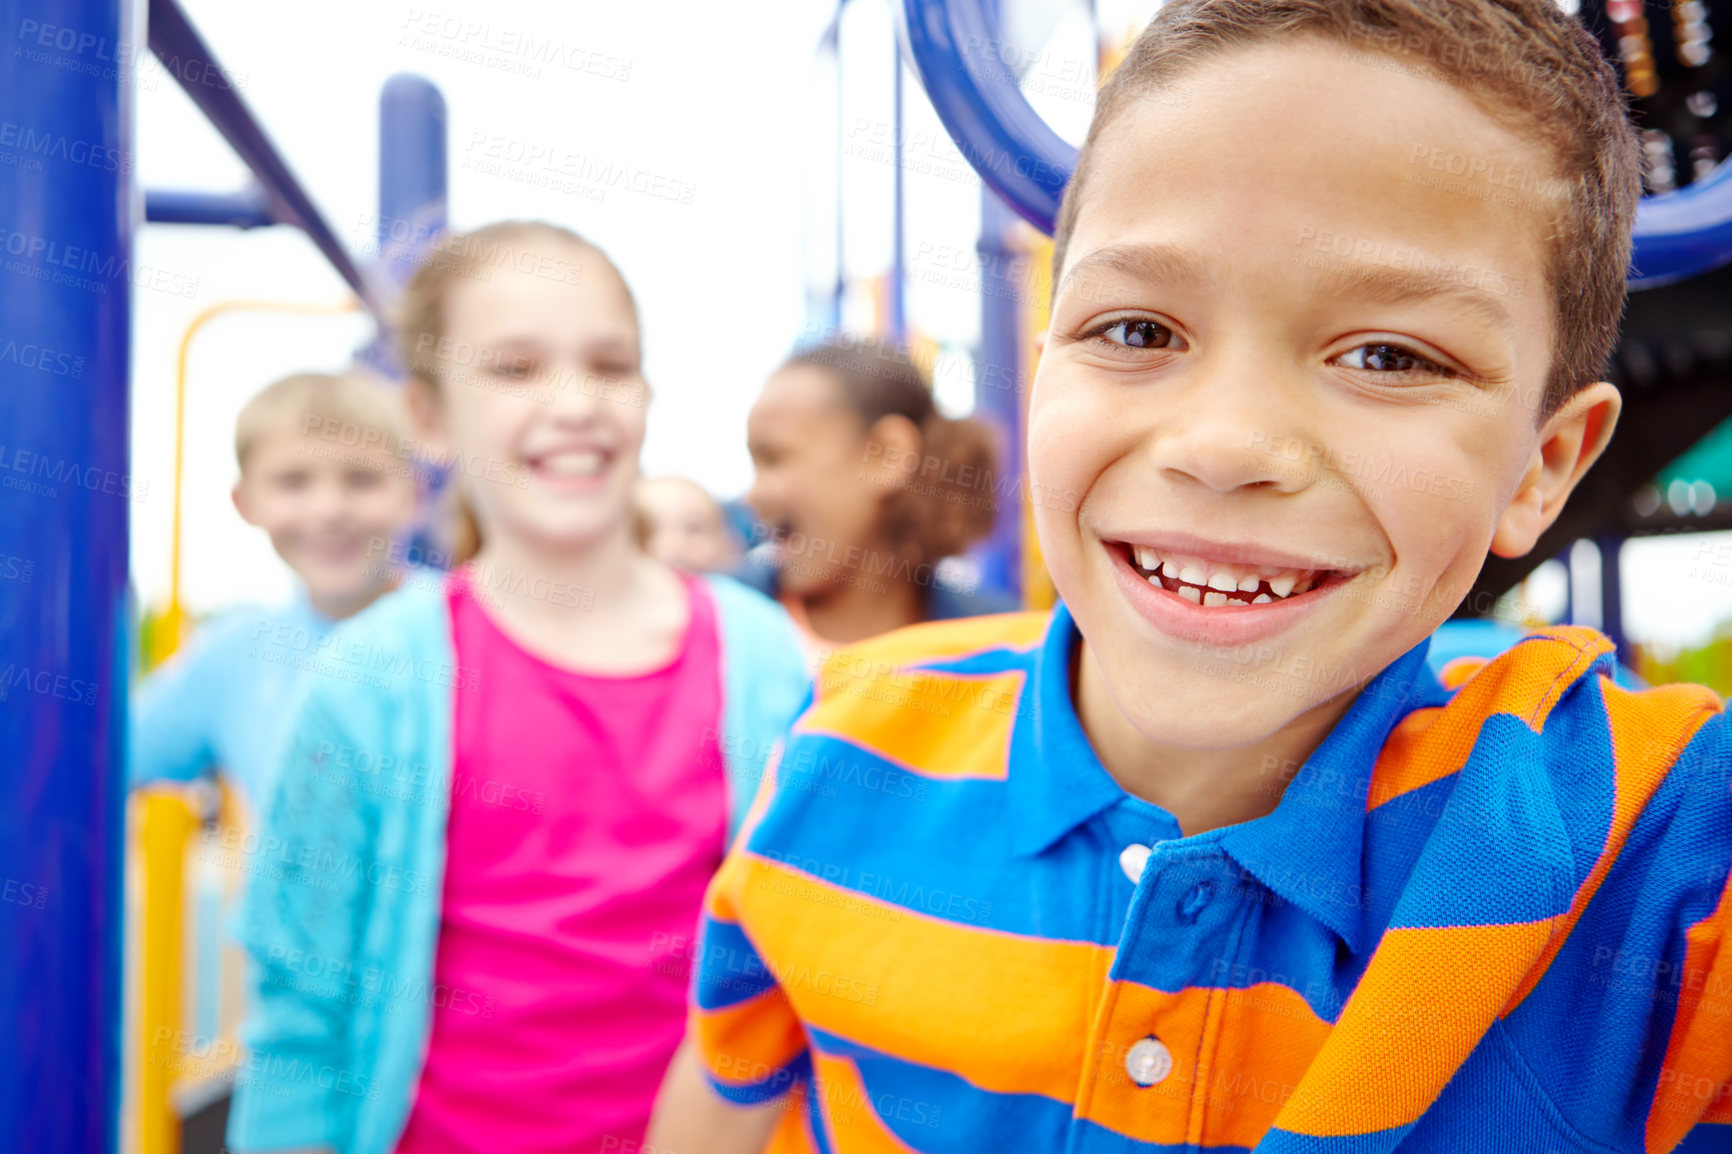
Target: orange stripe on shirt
column 1525, row 681
column 1226, row 1088
column 980, row 1003
column 1586, row 645
column 943, row 641
column 1422, row 1005
column 1696, row 1075
column 1639, row 765
column 748, row 1042
column 940, row 725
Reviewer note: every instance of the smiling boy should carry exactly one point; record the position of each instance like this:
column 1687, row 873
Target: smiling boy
column 1235, row 871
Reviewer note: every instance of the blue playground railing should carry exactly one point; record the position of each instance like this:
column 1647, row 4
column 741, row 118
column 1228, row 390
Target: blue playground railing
column 953, row 48
column 66, row 649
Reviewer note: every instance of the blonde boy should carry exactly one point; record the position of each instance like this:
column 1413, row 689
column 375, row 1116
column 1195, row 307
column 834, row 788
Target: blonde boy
column 321, row 472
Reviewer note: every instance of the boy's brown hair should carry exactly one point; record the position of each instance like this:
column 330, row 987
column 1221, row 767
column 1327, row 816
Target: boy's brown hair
column 1524, row 62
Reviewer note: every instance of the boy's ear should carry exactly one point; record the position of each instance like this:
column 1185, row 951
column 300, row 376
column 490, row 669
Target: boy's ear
column 243, row 501
column 1570, row 441
column 426, row 413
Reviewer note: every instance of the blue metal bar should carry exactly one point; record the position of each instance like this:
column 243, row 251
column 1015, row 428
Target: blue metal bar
column 1678, row 235
column 413, row 178
column 841, row 291
column 413, row 173
column 249, row 208
column 953, row 46
column 185, row 55
column 898, row 294
column 65, row 647
column 1000, row 357
column 998, row 391
column 1612, row 595
column 1682, row 234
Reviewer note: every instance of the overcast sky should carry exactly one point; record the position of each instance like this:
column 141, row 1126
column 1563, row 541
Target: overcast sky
column 725, row 97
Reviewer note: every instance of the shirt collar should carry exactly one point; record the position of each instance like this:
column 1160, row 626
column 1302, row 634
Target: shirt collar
column 1308, row 850
column 1056, row 781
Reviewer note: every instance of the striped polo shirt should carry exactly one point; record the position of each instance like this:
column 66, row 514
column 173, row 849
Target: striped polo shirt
column 1493, row 917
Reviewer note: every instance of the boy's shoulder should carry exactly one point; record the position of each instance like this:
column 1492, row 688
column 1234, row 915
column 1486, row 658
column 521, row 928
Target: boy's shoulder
column 238, row 633
column 940, row 698
column 1568, row 674
column 1553, row 698
column 1542, row 749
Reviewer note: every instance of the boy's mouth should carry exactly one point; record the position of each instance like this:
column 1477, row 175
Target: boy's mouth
column 1220, row 584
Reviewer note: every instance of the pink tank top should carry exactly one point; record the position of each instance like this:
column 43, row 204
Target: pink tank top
column 587, row 815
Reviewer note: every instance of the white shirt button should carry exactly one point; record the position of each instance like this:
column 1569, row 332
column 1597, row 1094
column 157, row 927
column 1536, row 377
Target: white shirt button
column 1132, row 859
column 1148, row 1062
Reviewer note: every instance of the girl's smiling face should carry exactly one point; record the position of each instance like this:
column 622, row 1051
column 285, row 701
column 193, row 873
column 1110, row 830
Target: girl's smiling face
column 1298, row 386
column 541, row 401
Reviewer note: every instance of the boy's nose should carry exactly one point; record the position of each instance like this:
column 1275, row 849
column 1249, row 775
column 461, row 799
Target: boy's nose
column 1233, row 430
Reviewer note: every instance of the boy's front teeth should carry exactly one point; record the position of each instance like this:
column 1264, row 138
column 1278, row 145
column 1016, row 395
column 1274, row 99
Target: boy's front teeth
column 1211, row 583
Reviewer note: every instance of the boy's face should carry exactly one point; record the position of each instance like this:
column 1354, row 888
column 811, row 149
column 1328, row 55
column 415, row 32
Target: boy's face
column 685, row 525
column 1285, row 356
column 326, row 507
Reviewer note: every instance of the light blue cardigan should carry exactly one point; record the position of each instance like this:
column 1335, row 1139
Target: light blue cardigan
column 342, row 912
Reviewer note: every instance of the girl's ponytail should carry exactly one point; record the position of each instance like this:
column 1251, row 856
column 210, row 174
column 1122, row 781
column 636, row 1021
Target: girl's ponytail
column 947, row 497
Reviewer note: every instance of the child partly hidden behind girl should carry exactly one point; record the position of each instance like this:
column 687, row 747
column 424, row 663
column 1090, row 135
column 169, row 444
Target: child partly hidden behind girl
column 493, row 847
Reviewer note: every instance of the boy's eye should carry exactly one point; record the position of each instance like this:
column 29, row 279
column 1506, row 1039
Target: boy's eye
column 1381, row 357
column 292, row 481
column 365, row 478
column 1139, row 333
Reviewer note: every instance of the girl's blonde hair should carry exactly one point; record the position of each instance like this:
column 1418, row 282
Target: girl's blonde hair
column 504, row 246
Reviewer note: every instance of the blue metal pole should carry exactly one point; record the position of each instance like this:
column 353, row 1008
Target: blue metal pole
column 249, row 208
column 413, row 179
column 1569, row 615
column 1680, row 234
column 898, row 267
column 185, row 55
column 413, row 172
column 997, row 388
column 1612, row 595
column 65, row 493
column 998, row 391
column 840, row 294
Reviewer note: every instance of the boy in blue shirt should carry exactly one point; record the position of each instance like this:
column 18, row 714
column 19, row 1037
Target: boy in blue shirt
column 323, row 472
column 1206, row 859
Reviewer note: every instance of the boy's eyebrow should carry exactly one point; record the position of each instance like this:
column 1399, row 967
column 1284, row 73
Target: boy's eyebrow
column 1445, row 282
column 1366, row 280
column 1143, row 261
